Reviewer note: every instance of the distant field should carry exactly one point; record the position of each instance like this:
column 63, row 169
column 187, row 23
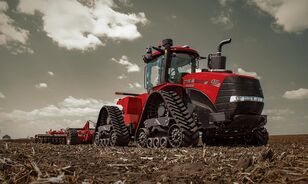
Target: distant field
column 284, row 160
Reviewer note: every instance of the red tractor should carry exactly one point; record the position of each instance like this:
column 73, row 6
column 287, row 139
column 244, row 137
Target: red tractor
column 181, row 104
column 69, row 136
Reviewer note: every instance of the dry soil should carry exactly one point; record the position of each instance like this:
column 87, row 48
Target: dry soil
column 283, row 160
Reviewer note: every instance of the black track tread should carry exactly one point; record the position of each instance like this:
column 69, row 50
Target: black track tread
column 183, row 118
column 260, row 137
column 118, row 125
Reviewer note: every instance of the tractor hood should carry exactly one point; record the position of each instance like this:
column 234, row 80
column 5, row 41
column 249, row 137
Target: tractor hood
column 210, row 82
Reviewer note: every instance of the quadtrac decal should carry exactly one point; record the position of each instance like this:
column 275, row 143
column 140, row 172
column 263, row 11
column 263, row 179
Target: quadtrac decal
column 191, row 82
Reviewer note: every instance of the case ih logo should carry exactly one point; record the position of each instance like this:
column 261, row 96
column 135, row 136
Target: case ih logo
column 189, row 81
column 215, row 83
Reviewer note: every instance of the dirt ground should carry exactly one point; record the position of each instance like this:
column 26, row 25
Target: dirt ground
column 284, row 160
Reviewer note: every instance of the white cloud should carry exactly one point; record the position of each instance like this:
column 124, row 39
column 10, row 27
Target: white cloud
column 134, row 85
column 278, row 114
column 243, row 72
column 3, row 5
column 276, row 118
column 11, row 36
column 51, row 73
column 41, row 85
column 125, row 3
column 122, row 76
column 2, row 95
column 131, row 85
column 71, row 112
column 291, row 15
column 225, row 2
column 131, row 67
column 137, row 85
column 74, row 25
column 224, row 17
column 298, row 94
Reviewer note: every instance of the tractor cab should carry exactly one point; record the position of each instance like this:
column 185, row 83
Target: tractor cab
column 169, row 65
column 172, row 63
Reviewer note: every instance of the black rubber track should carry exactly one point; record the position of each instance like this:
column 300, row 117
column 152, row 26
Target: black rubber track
column 116, row 117
column 260, row 137
column 183, row 118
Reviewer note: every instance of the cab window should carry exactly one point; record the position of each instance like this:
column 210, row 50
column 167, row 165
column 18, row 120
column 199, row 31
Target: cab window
column 181, row 64
column 153, row 72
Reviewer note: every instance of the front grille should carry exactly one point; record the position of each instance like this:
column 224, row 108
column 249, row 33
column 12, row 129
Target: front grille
column 239, row 86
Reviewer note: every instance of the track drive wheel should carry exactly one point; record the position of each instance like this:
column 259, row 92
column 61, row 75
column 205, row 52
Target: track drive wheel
column 142, row 137
column 176, row 136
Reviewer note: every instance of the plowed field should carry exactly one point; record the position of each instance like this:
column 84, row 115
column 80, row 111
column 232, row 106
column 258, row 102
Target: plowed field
column 283, row 160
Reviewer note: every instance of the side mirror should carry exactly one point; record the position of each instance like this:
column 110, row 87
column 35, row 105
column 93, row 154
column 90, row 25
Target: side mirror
column 147, row 58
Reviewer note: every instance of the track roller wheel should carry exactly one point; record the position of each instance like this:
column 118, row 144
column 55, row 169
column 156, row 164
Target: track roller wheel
column 150, row 143
column 156, row 142
column 113, row 138
column 105, row 142
column 142, row 137
column 163, row 141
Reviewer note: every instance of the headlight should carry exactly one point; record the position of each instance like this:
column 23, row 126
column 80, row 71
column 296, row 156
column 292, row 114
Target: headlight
column 246, row 99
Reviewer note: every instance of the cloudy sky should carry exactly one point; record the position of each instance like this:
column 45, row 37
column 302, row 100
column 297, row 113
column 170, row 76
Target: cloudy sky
column 61, row 60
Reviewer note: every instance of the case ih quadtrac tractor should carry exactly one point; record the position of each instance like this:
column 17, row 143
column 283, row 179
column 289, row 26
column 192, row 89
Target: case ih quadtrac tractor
column 181, row 104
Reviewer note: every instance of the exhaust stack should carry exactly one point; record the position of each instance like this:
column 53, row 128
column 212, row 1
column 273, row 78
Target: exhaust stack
column 217, row 61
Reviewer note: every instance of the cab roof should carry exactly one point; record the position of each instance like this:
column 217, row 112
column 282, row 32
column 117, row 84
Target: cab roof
column 178, row 49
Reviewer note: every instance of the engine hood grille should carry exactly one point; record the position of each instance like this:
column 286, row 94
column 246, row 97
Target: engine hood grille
column 238, row 86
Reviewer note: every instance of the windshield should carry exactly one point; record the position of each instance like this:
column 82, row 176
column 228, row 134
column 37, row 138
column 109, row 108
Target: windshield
column 153, row 72
column 181, row 64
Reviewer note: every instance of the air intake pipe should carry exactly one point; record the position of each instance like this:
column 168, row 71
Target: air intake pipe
column 217, row 61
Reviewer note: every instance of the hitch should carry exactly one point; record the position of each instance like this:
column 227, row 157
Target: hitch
column 126, row 94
